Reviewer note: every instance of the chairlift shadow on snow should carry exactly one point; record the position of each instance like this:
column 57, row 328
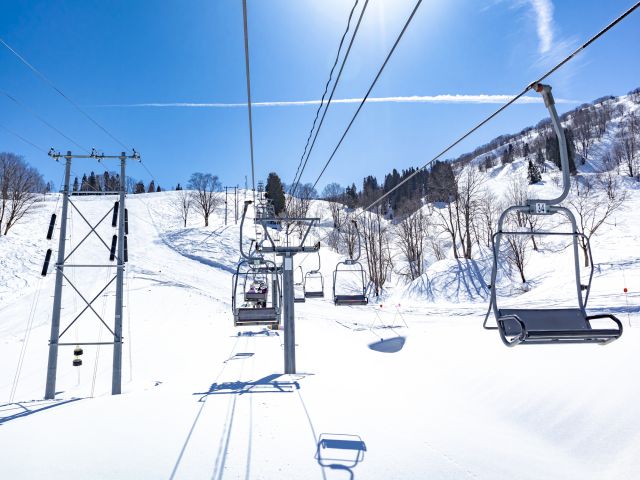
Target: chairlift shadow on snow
column 391, row 344
column 388, row 345
column 268, row 384
column 340, row 452
column 265, row 332
column 13, row 411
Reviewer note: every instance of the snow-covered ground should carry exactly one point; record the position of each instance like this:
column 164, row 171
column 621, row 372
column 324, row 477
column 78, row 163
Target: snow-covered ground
column 203, row 399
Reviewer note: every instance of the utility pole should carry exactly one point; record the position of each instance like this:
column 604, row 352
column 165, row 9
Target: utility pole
column 116, row 381
column 235, row 196
column 52, row 366
column 120, row 240
column 225, row 205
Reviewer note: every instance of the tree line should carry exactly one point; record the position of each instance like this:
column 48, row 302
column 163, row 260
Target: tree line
column 447, row 210
column 110, row 182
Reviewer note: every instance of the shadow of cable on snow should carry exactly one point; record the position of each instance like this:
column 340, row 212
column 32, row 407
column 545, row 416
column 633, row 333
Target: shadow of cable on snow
column 268, row 384
column 340, row 452
column 13, row 411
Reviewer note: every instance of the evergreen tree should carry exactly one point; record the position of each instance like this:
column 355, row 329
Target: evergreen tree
column 139, row 188
column 533, row 173
column 84, row 185
column 178, row 187
column 507, row 157
column 442, row 183
column 76, row 184
column 158, row 189
column 351, row 194
column 93, row 185
column 275, row 192
column 540, row 161
column 152, row 187
column 525, row 150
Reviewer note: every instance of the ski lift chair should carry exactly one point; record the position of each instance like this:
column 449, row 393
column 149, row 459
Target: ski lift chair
column 255, row 306
column 351, row 265
column 258, row 308
column 314, row 275
column 298, row 288
column 536, row 326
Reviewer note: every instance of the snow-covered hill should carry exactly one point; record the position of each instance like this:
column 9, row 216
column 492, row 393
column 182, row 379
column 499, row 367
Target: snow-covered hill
column 203, row 399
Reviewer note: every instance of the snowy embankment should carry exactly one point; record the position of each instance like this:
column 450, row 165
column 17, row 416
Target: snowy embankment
column 203, row 399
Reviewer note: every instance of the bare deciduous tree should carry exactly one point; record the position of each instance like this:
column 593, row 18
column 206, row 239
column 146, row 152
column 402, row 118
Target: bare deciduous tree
column 376, row 246
column 470, row 182
column 517, row 251
column 335, row 195
column 583, row 133
column 489, row 210
column 349, row 235
column 19, row 185
column 517, row 195
column 182, row 203
column 298, row 205
column 411, row 234
column 205, row 196
column 446, row 218
column 627, row 144
column 592, row 208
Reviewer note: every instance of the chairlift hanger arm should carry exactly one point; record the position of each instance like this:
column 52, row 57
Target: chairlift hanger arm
column 244, row 255
column 549, row 102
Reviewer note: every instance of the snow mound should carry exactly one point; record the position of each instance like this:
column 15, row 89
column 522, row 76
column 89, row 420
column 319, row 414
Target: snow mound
column 453, row 280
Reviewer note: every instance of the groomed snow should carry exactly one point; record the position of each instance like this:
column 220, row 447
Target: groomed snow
column 203, row 399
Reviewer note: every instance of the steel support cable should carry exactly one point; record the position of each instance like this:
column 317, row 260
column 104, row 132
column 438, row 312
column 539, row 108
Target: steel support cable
column 248, row 76
column 44, row 78
column 344, row 61
column 373, row 84
column 503, row 107
column 510, row 102
column 25, row 140
column 45, row 122
column 326, row 89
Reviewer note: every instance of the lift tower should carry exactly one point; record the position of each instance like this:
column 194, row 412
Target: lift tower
column 119, row 217
column 287, row 252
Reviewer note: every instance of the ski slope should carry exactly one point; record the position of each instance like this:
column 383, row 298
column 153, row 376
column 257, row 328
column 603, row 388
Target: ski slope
column 202, row 399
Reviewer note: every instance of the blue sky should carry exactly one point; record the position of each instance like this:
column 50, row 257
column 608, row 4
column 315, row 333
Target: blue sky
column 125, row 52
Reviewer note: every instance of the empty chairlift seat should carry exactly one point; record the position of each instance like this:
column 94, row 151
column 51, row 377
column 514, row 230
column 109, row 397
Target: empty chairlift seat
column 314, row 282
column 534, row 326
column 352, row 296
column 561, row 325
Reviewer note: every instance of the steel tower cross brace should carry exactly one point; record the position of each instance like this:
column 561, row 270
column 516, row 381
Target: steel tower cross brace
column 62, row 263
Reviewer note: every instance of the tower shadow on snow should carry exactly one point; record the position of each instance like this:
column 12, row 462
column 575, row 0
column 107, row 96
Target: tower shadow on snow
column 13, row 411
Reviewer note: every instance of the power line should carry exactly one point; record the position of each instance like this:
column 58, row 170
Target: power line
column 52, row 85
column 45, row 122
column 25, row 140
column 375, row 80
column 246, row 61
column 296, row 180
column 510, row 102
column 499, row 110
